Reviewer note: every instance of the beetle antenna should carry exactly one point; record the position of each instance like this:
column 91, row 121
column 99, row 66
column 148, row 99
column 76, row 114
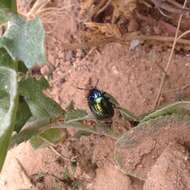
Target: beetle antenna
column 97, row 82
column 80, row 88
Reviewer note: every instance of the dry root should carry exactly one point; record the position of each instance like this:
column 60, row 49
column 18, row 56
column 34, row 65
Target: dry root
column 46, row 12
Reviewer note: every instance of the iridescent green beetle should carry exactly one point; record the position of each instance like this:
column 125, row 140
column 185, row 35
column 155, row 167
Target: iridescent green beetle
column 99, row 104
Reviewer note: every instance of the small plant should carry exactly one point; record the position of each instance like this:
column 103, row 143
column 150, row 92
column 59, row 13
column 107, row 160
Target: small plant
column 25, row 112
column 21, row 97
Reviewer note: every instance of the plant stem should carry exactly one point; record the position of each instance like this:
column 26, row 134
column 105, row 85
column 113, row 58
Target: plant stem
column 169, row 60
column 125, row 41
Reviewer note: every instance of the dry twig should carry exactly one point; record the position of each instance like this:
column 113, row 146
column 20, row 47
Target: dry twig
column 52, row 147
column 47, row 14
column 101, row 40
column 169, row 60
column 171, row 6
column 25, row 173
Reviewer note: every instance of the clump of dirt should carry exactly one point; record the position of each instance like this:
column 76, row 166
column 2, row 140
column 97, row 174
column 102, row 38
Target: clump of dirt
column 77, row 164
column 118, row 181
column 73, row 164
column 138, row 150
column 171, row 170
column 23, row 163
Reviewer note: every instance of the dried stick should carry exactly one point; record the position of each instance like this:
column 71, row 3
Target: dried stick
column 103, row 8
column 52, row 148
column 125, row 41
column 25, row 172
column 184, row 34
column 58, row 154
column 169, row 60
column 38, row 5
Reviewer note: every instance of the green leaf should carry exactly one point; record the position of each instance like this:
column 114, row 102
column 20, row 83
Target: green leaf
column 71, row 106
column 40, row 105
column 21, row 67
column 124, row 112
column 99, row 128
column 23, row 114
column 36, row 127
column 10, row 4
column 32, row 128
column 81, row 133
column 111, row 99
column 176, row 107
column 8, row 90
column 127, row 114
column 7, row 61
column 75, row 115
column 7, row 10
column 48, row 137
column 24, row 40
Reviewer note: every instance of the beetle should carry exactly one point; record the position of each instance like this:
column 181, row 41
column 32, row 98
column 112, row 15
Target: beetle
column 99, row 104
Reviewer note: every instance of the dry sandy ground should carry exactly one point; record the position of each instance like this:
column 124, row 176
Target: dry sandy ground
column 133, row 78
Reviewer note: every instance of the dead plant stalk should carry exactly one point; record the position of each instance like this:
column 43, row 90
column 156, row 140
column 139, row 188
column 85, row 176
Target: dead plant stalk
column 169, row 60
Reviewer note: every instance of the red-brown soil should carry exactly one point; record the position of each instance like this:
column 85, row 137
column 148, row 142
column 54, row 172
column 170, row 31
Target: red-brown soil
column 171, row 170
column 133, row 77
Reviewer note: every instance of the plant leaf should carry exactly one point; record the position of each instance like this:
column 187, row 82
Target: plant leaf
column 71, row 106
column 75, row 115
column 176, row 107
column 7, row 61
column 36, row 127
column 81, row 133
column 31, row 128
column 8, row 90
column 111, row 99
column 7, row 10
column 40, row 105
column 10, row 4
column 99, row 128
column 24, row 40
column 124, row 112
column 48, row 137
column 22, row 115
column 128, row 115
